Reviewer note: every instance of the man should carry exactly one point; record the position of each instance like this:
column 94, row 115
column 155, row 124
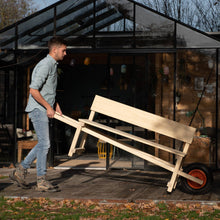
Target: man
column 40, row 107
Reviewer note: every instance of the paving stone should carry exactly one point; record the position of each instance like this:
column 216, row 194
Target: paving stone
column 104, row 186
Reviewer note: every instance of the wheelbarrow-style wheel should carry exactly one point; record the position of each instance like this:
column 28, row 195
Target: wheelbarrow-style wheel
column 200, row 171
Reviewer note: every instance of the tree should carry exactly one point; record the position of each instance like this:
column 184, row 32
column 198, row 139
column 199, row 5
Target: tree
column 208, row 16
column 12, row 11
column 203, row 16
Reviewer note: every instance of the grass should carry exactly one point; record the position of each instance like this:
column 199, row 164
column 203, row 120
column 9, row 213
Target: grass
column 73, row 209
column 3, row 177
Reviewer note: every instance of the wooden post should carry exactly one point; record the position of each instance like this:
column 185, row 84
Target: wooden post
column 83, row 141
column 172, row 183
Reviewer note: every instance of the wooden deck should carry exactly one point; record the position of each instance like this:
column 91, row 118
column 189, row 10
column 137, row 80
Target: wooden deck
column 108, row 186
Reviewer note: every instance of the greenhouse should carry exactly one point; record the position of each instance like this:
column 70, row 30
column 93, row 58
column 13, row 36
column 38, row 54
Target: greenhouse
column 121, row 50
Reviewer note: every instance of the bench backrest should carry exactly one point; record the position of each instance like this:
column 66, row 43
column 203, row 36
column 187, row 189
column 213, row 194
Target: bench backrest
column 143, row 119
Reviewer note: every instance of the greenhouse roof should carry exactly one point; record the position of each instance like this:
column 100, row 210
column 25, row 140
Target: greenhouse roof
column 102, row 24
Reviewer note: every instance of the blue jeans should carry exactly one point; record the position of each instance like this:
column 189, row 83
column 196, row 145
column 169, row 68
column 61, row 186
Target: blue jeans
column 41, row 125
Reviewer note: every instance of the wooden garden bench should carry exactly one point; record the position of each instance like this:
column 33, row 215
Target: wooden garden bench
column 140, row 118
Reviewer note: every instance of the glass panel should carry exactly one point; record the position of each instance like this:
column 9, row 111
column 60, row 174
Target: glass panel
column 196, row 101
column 34, row 28
column 114, row 30
column 104, row 9
column 81, row 77
column 6, row 39
column 7, row 101
column 114, row 40
column 163, row 70
column 125, row 15
column 78, row 17
column 67, row 5
column 153, row 30
column 40, row 19
column 113, row 19
column 122, row 25
column 187, row 37
column 80, row 12
column 127, row 74
column 81, row 30
column 123, row 6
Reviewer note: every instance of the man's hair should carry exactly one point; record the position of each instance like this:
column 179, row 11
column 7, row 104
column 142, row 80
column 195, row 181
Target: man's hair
column 56, row 41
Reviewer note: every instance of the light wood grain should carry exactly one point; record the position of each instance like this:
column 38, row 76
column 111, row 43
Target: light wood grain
column 132, row 137
column 143, row 119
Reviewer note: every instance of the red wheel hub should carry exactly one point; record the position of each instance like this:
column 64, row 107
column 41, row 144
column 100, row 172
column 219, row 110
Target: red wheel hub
column 199, row 174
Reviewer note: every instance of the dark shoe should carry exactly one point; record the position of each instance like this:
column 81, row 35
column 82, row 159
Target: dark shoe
column 18, row 176
column 45, row 186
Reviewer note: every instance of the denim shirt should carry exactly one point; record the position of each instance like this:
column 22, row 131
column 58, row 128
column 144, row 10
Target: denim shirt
column 44, row 79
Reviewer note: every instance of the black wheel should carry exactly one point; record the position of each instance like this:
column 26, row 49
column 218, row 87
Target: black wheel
column 200, row 171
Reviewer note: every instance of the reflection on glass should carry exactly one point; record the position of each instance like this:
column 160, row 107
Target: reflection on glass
column 153, row 30
column 187, row 37
column 196, row 82
column 5, row 37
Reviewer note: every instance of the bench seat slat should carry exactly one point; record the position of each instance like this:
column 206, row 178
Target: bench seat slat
column 132, row 137
column 155, row 160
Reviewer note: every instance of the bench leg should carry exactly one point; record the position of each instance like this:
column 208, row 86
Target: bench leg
column 83, row 141
column 74, row 142
column 173, row 181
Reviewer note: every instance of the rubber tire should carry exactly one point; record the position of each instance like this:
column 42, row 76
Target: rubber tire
column 187, row 185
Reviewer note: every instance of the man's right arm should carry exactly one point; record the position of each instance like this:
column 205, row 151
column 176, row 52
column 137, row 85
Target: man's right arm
column 39, row 98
